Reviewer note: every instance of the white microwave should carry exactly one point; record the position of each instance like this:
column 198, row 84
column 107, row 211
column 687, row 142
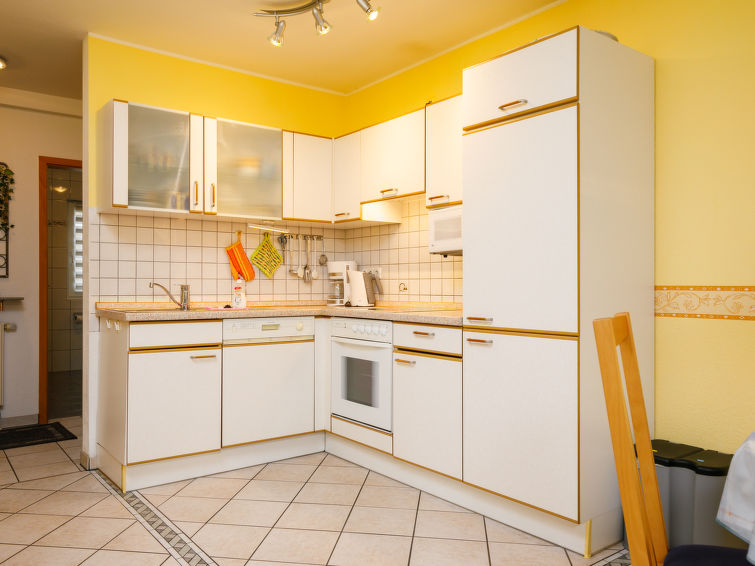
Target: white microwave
column 444, row 230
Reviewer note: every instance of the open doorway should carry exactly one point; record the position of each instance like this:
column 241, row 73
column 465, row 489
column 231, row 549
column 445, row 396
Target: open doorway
column 61, row 279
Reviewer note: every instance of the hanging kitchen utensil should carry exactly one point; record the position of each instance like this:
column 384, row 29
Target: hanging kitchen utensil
column 315, row 265
column 291, row 270
column 300, row 269
column 323, row 258
column 307, row 268
column 240, row 265
column 266, row 257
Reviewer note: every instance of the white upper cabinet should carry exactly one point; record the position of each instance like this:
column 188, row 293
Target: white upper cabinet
column 307, row 177
column 151, row 163
column 444, row 129
column 196, row 163
column 393, row 157
column 347, row 177
column 539, row 75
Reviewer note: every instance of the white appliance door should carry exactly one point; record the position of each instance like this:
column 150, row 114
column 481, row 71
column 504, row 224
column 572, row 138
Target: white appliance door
column 362, row 376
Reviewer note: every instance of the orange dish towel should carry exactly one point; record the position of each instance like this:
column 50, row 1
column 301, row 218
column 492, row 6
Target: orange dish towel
column 240, row 264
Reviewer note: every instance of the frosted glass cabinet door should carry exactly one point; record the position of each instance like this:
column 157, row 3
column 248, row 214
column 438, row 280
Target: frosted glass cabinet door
column 248, row 170
column 158, row 158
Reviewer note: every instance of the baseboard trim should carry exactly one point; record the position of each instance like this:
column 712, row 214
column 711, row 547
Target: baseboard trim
column 21, row 420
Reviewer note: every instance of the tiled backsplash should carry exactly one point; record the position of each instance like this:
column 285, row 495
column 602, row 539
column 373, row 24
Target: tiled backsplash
column 127, row 251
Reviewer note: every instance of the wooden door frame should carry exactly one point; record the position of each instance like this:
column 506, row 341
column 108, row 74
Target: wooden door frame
column 44, row 162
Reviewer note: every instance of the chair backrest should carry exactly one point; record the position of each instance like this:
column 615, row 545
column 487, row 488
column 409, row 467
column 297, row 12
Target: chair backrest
column 640, row 499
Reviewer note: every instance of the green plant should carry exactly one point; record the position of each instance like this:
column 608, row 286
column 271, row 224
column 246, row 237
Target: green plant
column 6, row 189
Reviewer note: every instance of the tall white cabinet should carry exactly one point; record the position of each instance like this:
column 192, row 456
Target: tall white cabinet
column 558, row 230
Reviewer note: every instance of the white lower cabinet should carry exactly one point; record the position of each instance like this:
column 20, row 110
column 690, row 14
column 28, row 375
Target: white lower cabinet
column 521, row 419
column 173, row 403
column 427, row 411
column 268, row 391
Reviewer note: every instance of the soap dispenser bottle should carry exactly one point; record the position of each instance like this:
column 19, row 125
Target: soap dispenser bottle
column 238, row 300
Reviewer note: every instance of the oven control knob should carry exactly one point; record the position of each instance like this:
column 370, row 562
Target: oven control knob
column 299, row 325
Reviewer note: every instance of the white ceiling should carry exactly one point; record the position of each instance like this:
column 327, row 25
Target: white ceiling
column 41, row 40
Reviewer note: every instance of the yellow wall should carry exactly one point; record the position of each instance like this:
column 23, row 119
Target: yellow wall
column 705, row 124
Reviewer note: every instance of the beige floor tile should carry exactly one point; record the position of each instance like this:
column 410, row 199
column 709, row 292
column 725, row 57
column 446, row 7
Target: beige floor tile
column 33, row 449
column 38, row 458
column 88, row 483
column 286, row 472
column 188, row 527
column 7, row 477
column 212, row 487
column 47, row 470
column 579, row 560
column 4, row 515
column 508, row 554
column 49, row 556
column 339, row 474
column 229, row 561
column 26, row 529
column 196, row 509
column 446, row 552
column 74, row 453
column 13, row 500
column 314, row 459
column 241, row 473
column 73, row 443
column 86, row 532
column 54, row 482
column 381, row 520
column 170, row 561
column 65, row 503
column 8, row 550
column 110, row 507
column 166, row 489
column 229, row 541
column 250, row 513
column 270, row 490
column 4, row 464
column 314, row 516
column 429, row 502
column 498, row 532
column 156, row 500
column 120, row 558
column 288, row 545
column 328, row 493
column 446, row 524
column 382, row 481
column 354, row 549
column 331, row 460
column 395, row 497
column 135, row 538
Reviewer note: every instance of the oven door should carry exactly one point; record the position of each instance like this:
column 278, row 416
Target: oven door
column 362, row 381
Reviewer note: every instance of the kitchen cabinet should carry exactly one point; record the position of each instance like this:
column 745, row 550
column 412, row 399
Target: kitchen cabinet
column 444, row 153
column 307, row 177
column 521, row 418
column 347, row 177
column 268, row 390
column 558, row 220
column 155, row 157
column 427, row 408
column 393, row 158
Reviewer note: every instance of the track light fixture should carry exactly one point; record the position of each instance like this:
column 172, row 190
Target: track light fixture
column 372, row 13
column 3, row 63
column 316, row 7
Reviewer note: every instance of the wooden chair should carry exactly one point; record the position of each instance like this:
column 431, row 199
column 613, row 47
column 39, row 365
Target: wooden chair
column 640, row 499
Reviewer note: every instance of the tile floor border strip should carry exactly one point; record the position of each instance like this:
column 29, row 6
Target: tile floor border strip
column 178, row 545
column 620, row 558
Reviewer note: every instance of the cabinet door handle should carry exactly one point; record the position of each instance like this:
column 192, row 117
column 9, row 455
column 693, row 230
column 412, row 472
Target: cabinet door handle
column 196, row 193
column 342, row 214
column 437, row 197
column 393, row 190
column 481, row 318
column 406, row 362
column 478, row 341
column 213, row 195
column 512, row 103
column 428, row 334
column 203, row 357
column 271, row 326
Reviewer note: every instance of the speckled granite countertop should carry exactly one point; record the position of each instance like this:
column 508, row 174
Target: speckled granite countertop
column 422, row 313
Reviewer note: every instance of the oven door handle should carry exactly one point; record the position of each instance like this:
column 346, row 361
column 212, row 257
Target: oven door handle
column 362, row 343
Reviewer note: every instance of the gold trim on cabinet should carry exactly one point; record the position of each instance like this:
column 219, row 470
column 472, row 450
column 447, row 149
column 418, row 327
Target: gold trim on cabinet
column 524, row 332
column 123, row 478
column 332, row 416
column 178, row 348
column 191, row 320
column 427, row 353
column 426, row 468
column 519, row 115
column 588, row 539
column 173, row 457
column 431, row 102
column 433, row 324
column 303, row 219
column 120, row 100
column 443, row 204
column 273, row 438
column 361, row 443
column 120, row 205
column 268, row 343
column 393, row 197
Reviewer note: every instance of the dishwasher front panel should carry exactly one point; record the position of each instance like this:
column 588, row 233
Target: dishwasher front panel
column 268, row 390
column 237, row 330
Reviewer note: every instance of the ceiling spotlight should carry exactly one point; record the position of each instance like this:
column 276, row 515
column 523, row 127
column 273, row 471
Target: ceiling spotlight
column 3, row 63
column 372, row 13
column 321, row 25
column 277, row 36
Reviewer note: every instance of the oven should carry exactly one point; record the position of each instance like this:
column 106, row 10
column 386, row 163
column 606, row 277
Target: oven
column 362, row 371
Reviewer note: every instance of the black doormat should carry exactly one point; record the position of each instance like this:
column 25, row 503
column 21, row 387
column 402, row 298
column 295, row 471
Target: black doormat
column 33, row 434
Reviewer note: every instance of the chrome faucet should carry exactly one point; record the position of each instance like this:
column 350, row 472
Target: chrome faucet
column 184, row 304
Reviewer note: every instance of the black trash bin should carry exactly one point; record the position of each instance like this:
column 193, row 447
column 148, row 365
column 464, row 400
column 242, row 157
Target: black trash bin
column 668, row 455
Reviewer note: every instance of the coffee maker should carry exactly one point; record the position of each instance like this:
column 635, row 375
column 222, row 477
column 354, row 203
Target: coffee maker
column 339, row 281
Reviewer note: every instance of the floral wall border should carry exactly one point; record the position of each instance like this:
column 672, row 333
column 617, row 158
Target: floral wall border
column 711, row 302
